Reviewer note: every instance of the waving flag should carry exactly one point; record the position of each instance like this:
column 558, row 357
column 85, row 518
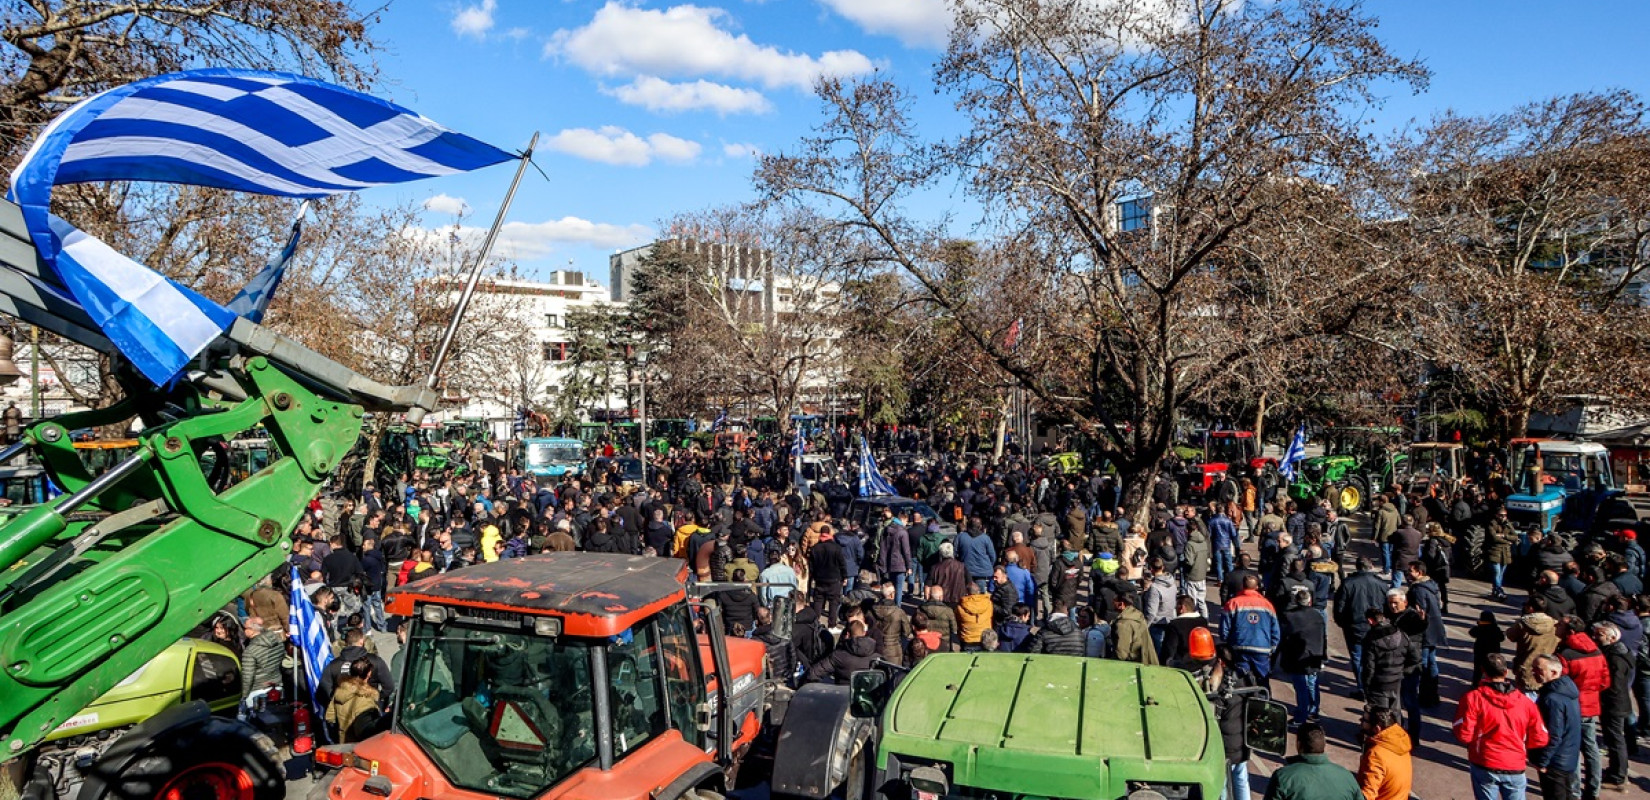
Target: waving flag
column 721, row 418
column 242, row 130
column 254, row 298
column 1296, row 452
column 871, row 482
column 305, row 629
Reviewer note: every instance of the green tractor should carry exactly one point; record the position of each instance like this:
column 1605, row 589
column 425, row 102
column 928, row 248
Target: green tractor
column 1357, row 463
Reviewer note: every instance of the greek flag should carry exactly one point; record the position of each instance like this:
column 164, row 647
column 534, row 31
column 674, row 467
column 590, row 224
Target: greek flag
column 243, row 130
column 1296, row 452
column 305, row 629
column 254, row 298
column 871, row 482
column 721, row 417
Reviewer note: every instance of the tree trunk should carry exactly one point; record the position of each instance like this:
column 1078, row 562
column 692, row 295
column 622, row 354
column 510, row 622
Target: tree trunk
column 375, row 440
column 1260, row 423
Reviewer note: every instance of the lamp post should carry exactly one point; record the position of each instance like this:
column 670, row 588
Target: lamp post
column 641, row 367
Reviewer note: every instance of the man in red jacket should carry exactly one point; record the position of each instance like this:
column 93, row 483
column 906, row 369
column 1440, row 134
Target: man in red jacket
column 1585, row 664
column 1499, row 725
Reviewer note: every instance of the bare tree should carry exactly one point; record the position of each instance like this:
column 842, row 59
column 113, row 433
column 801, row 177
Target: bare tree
column 1538, row 223
column 1224, row 123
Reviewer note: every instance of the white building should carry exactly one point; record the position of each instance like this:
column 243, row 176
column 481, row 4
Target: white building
column 541, row 308
column 755, row 291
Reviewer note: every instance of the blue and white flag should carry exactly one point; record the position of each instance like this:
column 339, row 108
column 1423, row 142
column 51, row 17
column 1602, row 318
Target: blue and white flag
column 1296, row 452
column 309, row 633
column 799, row 445
column 871, row 482
column 243, row 130
column 254, row 298
column 721, row 417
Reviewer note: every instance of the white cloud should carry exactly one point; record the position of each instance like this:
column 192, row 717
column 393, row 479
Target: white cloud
column 740, row 150
column 916, row 23
column 517, row 33
column 445, row 204
column 475, row 20
column 686, row 41
column 614, row 145
column 659, row 95
column 530, row 241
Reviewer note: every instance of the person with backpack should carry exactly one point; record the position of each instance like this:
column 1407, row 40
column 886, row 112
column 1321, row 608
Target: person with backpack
column 1435, row 553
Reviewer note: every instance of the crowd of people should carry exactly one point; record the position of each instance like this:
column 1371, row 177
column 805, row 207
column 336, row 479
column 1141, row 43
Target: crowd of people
column 1239, row 588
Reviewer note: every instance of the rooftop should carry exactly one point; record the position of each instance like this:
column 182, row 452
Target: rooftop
column 596, row 594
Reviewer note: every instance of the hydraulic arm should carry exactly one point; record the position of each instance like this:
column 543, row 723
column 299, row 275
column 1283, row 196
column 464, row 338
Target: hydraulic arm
column 98, row 580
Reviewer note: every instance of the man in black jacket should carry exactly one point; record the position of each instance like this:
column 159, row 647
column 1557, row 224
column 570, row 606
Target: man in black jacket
column 739, row 605
column 827, row 568
column 1059, row 636
column 781, row 652
column 355, row 646
column 1388, row 657
column 1360, row 593
column 856, row 652
column 1301, row 651
column 1615, row 704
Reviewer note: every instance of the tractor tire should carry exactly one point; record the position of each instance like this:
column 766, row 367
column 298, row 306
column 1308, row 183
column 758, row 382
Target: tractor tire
column 211, row 762
column 1351, row 497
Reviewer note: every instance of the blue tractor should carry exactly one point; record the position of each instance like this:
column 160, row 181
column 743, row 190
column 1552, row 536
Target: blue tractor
column 1558, row 486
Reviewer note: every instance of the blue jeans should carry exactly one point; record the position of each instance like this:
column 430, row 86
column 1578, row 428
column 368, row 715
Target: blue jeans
column 898, row 579
column 1488, row 785
column 1306, row 694
column 919, row 577
column 1429, row 661
column 1237, row 784
column 1585, row 781
column 375, row 611
column 1641, row 690
column 1397, row 578
column 1498, row 574
column 1223, row 563
column 1357, row 656
column 1409, row 696
column 1386, row 558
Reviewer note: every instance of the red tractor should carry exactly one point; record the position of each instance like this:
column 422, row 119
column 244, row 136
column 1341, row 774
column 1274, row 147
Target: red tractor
column 1235, row 454
column 567, row 675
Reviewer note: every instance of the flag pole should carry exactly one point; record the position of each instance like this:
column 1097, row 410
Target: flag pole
column 475, row 271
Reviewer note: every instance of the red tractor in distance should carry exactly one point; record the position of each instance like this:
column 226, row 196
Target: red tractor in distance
column 1236, row 454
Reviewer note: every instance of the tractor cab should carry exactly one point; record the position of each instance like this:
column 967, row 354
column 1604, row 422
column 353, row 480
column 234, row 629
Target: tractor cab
column 1558, row 483
column 1430, row 465
column 1357, row 464
column 587, row 675
column 1235, row 454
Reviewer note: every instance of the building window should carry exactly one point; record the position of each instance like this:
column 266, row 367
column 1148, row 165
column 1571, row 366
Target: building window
column 556, row 351
column 552, row 320
column 1134, row 215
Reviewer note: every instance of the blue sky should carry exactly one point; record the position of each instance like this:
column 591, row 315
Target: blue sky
column 648, row 109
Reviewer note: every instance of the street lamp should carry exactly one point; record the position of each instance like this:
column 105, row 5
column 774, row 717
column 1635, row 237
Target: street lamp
column 9, row 373
column 641, row 432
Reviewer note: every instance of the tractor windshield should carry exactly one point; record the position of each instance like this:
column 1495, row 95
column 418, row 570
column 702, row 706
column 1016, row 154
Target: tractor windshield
column 540, row 454
column 1229, row 450
column 499, row 711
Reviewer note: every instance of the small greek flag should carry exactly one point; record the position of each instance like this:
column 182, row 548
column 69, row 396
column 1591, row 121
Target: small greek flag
column 254, row 298
column 242, row 130
column 799, row 445
column 871, row 482
column 1296, row 452
column 305, row 629
column 721, row 417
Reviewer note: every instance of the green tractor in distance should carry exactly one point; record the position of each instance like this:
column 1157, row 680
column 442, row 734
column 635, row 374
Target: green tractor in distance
column 1357, row 463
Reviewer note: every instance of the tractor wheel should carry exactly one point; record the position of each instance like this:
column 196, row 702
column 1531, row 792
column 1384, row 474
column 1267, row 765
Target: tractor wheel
column 204, row 767
column 1351, row 497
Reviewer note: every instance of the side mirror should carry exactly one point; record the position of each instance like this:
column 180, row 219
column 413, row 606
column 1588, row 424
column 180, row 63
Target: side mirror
column 864, row 692
column 1265, row 726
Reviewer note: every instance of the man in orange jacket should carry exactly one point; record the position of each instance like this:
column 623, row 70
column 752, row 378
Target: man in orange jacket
column 1385, row 771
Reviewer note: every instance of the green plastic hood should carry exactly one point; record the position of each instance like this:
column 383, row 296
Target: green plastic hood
column 1052, row 726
